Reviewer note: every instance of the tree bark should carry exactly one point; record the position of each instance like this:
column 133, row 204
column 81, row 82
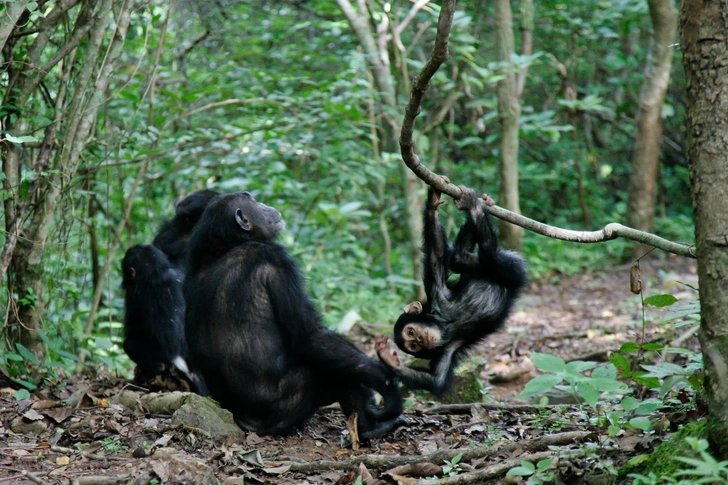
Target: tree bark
column 703, row 35
column 645, row 159
column 509, row 111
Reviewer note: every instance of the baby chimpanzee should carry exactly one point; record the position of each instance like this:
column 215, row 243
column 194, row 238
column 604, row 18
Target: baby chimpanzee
column 459, row 314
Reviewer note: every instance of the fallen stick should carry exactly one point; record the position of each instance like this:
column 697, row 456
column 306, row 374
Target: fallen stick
column 438, row 457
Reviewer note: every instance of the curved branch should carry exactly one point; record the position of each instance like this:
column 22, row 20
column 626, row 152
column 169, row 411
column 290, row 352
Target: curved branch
column 406, row 143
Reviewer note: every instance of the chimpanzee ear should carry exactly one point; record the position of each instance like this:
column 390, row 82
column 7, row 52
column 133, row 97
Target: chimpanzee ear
column 132, row 273
column 414, row 307
column 242, row 221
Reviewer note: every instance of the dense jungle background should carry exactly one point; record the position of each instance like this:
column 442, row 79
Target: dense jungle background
column 113, row 110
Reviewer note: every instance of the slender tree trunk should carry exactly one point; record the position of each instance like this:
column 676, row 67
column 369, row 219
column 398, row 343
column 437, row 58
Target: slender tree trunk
column 509, row 111
column 645, row 159
column 703, row 34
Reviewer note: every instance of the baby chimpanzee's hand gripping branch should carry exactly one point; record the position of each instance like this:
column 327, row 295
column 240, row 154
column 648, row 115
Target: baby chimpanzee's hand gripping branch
column 459, row 314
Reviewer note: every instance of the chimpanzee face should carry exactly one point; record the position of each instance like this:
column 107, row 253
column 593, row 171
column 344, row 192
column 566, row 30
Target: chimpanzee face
column 258, row 220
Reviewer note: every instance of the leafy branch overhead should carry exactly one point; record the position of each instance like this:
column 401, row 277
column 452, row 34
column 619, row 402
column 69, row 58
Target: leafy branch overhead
column 406, row 141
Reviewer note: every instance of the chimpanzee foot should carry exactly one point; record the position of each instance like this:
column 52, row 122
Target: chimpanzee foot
column 383, row 427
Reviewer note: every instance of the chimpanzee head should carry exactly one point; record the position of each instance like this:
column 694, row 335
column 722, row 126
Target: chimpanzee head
column 142, row 264
column 232, row 219
column 418, row 333
column 188, row 210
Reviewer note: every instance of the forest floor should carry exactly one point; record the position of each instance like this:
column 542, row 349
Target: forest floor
column 79, row 432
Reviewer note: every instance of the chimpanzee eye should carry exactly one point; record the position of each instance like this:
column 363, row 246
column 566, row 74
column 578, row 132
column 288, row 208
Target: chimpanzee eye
column 410, row 332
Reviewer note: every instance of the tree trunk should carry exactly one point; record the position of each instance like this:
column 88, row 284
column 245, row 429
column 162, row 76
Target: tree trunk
column 509, row 110
column 645, row 159
column 703, row 34
column 75, row 119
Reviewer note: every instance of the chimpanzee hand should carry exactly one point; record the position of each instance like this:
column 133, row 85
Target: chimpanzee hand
column 386, row 355
column 467, row 200
column 488, row 200
column 433, row 198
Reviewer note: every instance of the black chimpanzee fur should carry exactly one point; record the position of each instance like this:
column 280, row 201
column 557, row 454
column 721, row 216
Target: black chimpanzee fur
column 466, row 310
column 256, row 336
column 154, row 310
column 174, row 236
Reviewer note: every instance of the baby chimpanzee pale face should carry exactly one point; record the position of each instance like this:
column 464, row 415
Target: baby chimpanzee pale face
column 419, row 337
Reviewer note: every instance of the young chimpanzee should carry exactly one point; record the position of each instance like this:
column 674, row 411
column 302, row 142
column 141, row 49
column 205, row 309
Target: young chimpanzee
column 174, row 236
column 154, row 310
column 257, row 337
column 458, row 314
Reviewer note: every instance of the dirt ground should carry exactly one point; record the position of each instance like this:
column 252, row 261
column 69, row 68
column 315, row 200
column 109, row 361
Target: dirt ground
column 80, row 433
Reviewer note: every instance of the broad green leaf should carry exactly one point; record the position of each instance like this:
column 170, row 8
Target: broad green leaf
column 630, row 347
column 588, row 392
column 578, row 366
column 606, row 384
column 641, row 422
column 636, row 460
column 660, row 300
column 620, row 362
column 607, row 371
column 21, row 394
column 540, row 384
column 548, row 362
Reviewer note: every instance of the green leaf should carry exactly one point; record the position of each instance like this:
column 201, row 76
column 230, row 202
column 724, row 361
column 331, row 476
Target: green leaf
column 588, row 392
column 650, row 382
column 639, row 459
column 613, row 430
column 526, row 469
column 608, row 371
column 653, row 346
column 548, row 362
column 620, row 362
column 27, row 354
column 578, row 366
column 540, row 384
column 607, row 384
column 21, row 394
column 629, row 403
column 544, row 464
column 660, row 301
column 641, row 422
column 19, row 140
column 630, row 347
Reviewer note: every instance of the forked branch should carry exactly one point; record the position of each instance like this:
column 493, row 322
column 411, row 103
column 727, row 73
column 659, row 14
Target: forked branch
column 406, row 142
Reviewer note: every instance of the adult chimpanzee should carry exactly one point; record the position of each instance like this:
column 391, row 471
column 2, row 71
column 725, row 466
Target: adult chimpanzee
column 174, row 236
column 459, row 314
column 154, row 310
column 257, row 337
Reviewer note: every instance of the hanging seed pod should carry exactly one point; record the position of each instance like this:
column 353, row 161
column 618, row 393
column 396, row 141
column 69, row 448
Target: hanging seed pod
column 635, row 280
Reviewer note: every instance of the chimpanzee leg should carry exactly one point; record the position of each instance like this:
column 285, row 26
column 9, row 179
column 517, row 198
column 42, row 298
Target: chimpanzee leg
column 464, row 256
column 497, row 265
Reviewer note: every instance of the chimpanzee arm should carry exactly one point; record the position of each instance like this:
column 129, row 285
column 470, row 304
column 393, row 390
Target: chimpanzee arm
column 330, row 353
column 435, row 248
column 439, row 379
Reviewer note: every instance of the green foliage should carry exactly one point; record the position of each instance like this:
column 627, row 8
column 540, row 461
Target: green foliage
column 452, row 467
column 536, row 474
column 278, row 101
